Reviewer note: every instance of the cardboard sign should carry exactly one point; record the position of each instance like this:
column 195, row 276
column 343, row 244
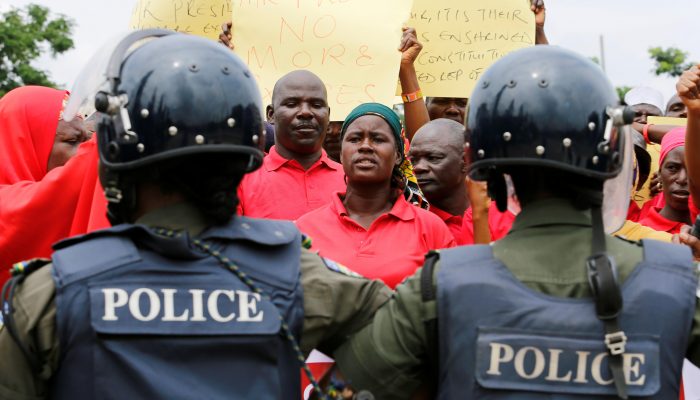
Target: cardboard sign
column 352, row 45
column 197, row 17
column 667, row 121
column 461, row 38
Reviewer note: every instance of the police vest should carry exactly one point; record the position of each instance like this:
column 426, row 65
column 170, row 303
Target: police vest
column 499, row 339
column 143, row 316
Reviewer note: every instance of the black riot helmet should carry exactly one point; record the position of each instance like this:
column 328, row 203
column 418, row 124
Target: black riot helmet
column 165, row 97
column 548, row 107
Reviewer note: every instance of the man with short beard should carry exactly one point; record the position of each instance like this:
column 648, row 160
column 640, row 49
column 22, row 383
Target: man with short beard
column 296, row 176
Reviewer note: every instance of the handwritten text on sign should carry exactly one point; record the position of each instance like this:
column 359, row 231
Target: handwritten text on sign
column 461, row 38
column 350, row 44
column 198, row 17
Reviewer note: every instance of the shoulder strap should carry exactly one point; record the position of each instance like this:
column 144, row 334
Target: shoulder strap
column 426, row 277
column 602, row 279
column 428, row 293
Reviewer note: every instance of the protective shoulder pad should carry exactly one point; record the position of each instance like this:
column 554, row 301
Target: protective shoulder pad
column 260, row 231
column 92, row 257
column 121, row 229
column 657, row 252
column 466, row 255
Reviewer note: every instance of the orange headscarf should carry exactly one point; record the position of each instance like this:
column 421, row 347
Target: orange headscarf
column 39, row 208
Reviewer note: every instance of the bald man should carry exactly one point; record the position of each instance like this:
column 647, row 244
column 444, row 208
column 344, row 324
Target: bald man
column 676, row 108
column 297, row 176
column 437, row 154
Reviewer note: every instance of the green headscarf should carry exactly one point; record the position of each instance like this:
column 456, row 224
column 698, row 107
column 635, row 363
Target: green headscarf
column 380, row 110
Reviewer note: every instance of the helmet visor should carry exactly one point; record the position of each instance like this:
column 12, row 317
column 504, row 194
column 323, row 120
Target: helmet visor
column 103, row 66
column 617, row 191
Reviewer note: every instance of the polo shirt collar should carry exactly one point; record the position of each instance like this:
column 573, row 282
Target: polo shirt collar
column 550, row 212
column 274, row 161
column 444, row 215
column 658, row 222
column 401, row 209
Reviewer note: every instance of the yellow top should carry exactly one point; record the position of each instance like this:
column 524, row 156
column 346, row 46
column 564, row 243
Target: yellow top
column 634, row 231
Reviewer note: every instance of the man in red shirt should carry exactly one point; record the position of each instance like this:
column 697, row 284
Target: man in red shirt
column 437, row 154
column 296, row 176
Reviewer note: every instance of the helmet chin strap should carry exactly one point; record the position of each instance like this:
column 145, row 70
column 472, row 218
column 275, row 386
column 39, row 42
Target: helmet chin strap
column 121, row 198
column 498, row 190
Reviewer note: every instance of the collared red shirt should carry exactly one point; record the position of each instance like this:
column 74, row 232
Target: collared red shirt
column 391, row 249
column 659, row 202
column 499, row 224
column 282, row 189
column 454, row 224
column 655, row 220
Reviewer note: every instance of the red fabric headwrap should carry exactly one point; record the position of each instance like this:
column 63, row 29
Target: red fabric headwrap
column 39, row 208
column 28, row 120
column 673, row 139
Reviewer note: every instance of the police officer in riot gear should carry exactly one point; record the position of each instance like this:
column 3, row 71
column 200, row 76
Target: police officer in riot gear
column 557, row 308
column 180, row 299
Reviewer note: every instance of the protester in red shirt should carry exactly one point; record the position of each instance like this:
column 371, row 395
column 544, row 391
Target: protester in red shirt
column 437, row 155
column 674, row 182
column 49, row 188
column 371, row 228
column 296, row 176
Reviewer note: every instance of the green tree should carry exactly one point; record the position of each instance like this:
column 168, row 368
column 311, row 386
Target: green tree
column 670, row 61
column 25, row 34
column 621, row 92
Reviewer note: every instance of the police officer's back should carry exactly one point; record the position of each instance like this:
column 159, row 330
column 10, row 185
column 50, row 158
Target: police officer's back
column 179, row 299
column 556, row 309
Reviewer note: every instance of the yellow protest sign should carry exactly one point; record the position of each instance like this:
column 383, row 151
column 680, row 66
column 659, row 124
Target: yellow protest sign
column 198, row 17
column 461, row 38
column 352, row 45
column 667, row 121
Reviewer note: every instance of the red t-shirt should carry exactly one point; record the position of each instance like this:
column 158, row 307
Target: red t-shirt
column 693, row 210
column 453, row 222
column 282, row 189
column 499, row 224
column 655, row 221
column 391, row 249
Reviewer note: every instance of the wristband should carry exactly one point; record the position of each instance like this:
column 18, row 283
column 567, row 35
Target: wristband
column 411, row 97
column 645, row 133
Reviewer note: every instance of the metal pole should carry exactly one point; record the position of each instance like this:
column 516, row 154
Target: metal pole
column 602, row 53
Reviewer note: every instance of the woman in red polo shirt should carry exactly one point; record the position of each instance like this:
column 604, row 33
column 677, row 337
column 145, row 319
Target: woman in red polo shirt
column 674, row 182
column 371, row 228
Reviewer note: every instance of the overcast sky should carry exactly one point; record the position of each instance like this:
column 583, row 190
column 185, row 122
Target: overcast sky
column 629, row 28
